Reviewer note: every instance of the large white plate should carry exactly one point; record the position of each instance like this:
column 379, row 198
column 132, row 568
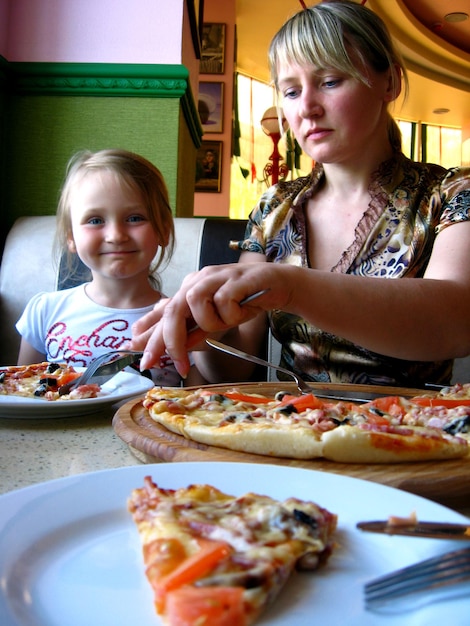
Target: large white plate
column 70, row 554
column 123, row 385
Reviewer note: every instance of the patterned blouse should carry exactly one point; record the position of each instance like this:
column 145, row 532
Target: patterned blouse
column 410, row 204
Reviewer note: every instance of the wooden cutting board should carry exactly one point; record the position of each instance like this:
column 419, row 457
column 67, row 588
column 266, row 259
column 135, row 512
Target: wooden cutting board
column 447, row 482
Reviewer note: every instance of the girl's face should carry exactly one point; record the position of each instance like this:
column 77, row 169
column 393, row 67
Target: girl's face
column 111, row 230
column 334, row 117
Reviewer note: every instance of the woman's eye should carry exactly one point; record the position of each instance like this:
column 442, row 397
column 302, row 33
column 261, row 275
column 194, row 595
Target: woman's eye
column 291, row 93
column 333, row 82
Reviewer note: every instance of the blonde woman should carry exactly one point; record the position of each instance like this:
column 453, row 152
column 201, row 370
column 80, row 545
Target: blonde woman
column 366, row 258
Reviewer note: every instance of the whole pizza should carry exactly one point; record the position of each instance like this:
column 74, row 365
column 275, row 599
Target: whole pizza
column 390, row 429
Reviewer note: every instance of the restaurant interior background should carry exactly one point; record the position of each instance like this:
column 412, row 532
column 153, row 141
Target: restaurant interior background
column 100, row 73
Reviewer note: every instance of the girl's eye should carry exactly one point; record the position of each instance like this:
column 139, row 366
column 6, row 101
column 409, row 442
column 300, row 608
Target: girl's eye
column 136, row 218
column 95, row 221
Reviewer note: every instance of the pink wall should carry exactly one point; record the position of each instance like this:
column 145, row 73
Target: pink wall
column 218, row 204
column 92, row 31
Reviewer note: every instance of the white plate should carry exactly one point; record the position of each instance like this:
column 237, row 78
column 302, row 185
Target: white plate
column 70, row 554
column 123, row 385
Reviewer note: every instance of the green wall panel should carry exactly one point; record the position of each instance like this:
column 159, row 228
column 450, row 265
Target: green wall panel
column 44, row 132
column 48, row 111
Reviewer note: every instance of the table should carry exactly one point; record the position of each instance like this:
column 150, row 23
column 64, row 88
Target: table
column 38, row 450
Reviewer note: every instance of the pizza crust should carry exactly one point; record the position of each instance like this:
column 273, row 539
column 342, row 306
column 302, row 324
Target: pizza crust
column 291, row 441
column 353, row 445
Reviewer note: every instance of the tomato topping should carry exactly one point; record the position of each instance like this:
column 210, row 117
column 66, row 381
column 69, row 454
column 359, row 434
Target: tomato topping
column 191, row 568
column 304, row 402
column 448, row 403
column 388, row 404
column 206, row 606
column 66, row 377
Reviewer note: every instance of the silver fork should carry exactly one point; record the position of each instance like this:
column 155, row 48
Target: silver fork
column 302, row 385
column 443, row 576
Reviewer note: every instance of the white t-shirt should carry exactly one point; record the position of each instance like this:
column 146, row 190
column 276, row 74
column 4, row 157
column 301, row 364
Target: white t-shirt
column 67, row 326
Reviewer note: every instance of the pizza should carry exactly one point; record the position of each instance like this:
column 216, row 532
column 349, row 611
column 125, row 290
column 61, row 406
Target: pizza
column 213, row 559
column 42, row 380
column 388, row 430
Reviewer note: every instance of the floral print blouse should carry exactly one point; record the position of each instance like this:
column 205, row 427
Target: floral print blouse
column 410, row 204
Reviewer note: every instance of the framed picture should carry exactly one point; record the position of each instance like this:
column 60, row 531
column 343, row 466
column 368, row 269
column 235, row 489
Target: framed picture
column 212, row 48
column 209, row 166
column 211, row 106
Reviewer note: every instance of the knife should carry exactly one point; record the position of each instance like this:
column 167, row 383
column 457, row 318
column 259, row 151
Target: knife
column 436, row 530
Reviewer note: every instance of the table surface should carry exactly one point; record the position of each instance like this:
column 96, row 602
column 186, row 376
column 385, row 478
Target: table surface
column 38, row 450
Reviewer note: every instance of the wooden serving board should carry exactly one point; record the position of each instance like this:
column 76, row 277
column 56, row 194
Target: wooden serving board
column 446, row 482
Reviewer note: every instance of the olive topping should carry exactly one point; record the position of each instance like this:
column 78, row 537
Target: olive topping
column 2, row 377
column 50, row 382
column 458, row 425
column 52, row 367
column 304, row 518
column 40, row 390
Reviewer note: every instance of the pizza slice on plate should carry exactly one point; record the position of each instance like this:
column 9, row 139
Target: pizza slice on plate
column 213, row 559
column 42, row 380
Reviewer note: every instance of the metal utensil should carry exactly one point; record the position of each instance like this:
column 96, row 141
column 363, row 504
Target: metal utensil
column 303, row 387
column 438, row 578
column 102, row 369
column 435, row 530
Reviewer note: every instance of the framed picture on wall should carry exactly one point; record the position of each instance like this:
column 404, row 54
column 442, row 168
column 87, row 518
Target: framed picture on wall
column 211, row 106
column 209, row 166
column 212, row 48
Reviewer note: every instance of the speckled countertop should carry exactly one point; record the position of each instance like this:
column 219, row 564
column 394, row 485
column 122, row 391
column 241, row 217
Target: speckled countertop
column 37, row 450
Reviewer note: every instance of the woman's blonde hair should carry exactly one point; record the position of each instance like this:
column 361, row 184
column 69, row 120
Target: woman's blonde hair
column 132, row 170
column 342, row 35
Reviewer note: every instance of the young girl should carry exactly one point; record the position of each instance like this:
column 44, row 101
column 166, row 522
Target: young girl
column 366, row 258
column 114, row 214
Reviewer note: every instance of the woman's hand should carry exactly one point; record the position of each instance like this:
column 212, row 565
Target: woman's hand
column 211, row 300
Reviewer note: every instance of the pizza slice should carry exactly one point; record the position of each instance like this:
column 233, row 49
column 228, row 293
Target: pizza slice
column 214, row 559
column 42, row 380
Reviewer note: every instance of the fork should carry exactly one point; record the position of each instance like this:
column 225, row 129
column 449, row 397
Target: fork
column 446, row 575
column 108, row 365
column 302, row 385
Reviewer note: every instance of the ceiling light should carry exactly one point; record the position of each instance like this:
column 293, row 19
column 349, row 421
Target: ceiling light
column 456, row 17
column 441, row 111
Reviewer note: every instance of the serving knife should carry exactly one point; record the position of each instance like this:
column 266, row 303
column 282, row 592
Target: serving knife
column 435, row 530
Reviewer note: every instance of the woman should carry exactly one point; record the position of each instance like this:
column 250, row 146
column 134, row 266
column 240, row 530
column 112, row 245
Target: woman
column 331, row 246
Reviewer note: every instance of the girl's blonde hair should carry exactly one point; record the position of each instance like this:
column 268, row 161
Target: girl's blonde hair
column 342, row 35
column 136, row 172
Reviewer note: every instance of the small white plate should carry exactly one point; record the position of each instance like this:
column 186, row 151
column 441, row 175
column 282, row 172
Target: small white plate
column 123, row 385
column 70, row 554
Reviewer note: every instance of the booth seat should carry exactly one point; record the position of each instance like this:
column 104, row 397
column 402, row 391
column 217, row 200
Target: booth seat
column 28, row 267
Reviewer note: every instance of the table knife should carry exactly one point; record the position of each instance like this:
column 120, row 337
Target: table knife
column 436, row 530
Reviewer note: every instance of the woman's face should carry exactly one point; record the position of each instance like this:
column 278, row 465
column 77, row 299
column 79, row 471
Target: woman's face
column 333, row 116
